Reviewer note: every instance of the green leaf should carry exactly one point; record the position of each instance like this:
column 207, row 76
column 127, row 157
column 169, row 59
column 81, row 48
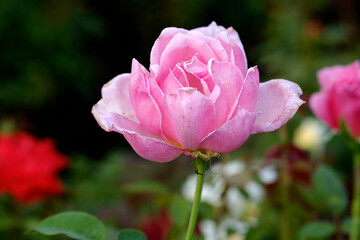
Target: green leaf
column 76, row 225
column 316, row 230
column 131, row 234
column 179, row 210
column 329, row 189
column 346, row 226
column 207, row 211
column 146, row 187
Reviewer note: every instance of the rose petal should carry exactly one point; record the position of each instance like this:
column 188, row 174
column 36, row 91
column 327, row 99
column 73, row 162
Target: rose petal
column 146, row 145
column 237, row 50
column 250, row 89
column 200, row 71
column 116, row 99
column 230, row 81
column 162, row 41
column 145, row 106
column 249, row 92
column 188, row 117
column 182, row 48
column 170, row 84
column 232, row 134
column 152, row 149
column 231, row 42
column 180, row 74
column 346, row 75
column 319, row 104
column 212, row 30
column 214, row 44
column 350, row 110
column 278, row 101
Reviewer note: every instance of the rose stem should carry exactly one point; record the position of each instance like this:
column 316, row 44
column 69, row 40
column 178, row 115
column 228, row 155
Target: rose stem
column 199, row 166
column 355, row 208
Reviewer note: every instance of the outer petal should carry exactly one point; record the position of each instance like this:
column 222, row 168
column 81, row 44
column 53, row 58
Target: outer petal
column 237, row 49
column 278, row 101
column 146, row 145
column 212, row 30
column 152, row 149
column 350, row 110
column 339, row 75
column 321, row 107
column 115, row 99
column 188, row 117
column 234, row 47
column 160, row 44
column 232, row 134
column 114, row 113
column 143, row 102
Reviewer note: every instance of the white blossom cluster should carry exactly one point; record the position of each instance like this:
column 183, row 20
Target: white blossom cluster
column 231, row 189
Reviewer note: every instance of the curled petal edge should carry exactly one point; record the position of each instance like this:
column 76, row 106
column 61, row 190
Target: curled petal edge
column 144, row 144
column 278, row 101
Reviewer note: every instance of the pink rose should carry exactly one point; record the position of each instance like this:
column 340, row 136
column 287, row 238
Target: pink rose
column 339, row 97
column 199, row 94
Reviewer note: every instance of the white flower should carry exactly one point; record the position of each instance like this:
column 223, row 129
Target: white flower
column 211, row 231
column 211, row 193
column 208, row 229
column 233, row 168
column 255, row 190
column 236, row 202
column 231, row 224
column 268, row 174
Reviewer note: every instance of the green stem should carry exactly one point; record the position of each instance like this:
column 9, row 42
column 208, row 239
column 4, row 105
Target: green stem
column 199, row 166
column 355, row 208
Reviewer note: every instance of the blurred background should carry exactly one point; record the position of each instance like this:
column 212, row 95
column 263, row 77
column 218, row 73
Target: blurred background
column 56, row 55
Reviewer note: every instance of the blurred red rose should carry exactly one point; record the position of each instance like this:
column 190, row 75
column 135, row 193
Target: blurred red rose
column 299, row 162
column 29, row 167
column 156, row 227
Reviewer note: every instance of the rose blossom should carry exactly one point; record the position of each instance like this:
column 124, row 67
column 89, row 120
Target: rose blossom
column 198, row 95
column 339, row 97
column 29, row 167
column 157, row 227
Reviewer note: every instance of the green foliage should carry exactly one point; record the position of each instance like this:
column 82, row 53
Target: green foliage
column 149, row 187
column 180, row 211
column 76, row 225
column 346, row 226
column 131, row 234
column 328, row 192
column 95, row 181
column 316, row 230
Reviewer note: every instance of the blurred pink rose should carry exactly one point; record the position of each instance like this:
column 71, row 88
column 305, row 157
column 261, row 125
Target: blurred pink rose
column 339, row 97
column 199, row 94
